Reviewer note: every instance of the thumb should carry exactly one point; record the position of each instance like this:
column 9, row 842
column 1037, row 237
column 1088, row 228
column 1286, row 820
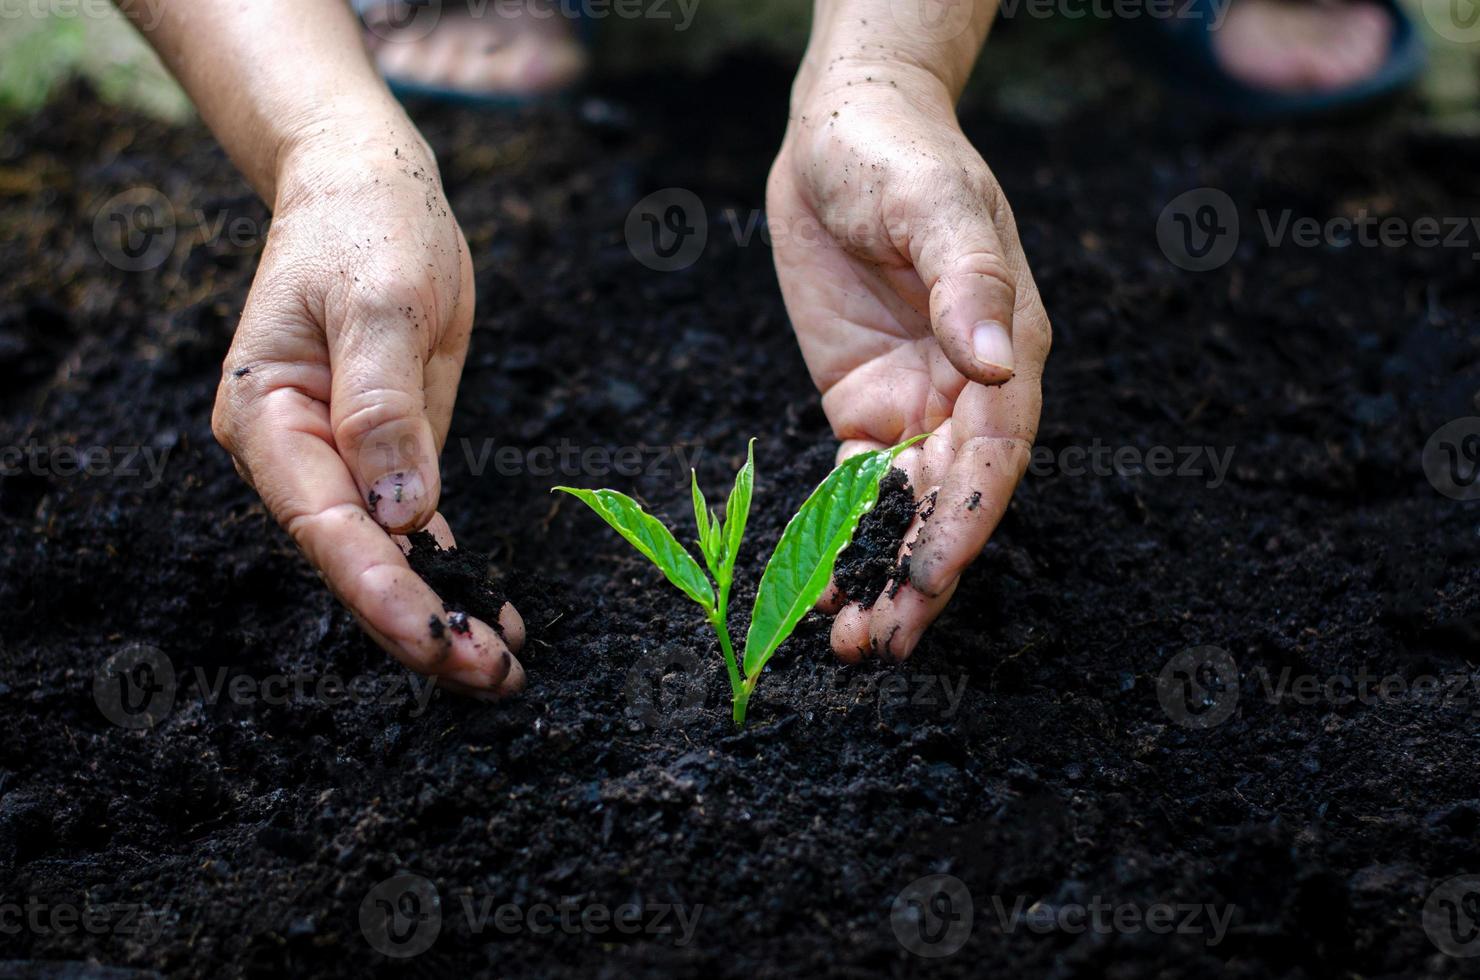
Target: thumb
column 972, row 287
column 378, row 413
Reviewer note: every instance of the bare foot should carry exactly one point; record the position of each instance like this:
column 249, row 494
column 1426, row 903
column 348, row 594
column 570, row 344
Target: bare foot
column 502, row 48
column 1303, row 47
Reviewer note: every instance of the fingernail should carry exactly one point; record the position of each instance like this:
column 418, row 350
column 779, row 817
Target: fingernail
column 992, row 344
column 396, row 499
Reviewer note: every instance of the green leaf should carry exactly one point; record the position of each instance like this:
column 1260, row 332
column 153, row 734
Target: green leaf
column 648, row 535
column 802, row 563
column 701, row 508
column 737, row 510
column 716, row 538
column 701, row 519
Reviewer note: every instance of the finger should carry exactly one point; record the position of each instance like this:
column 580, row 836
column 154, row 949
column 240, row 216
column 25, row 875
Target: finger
column 437, row 527
column 443, row 372
column 444, row 368
column 853, row 447
column 899, row 619
column 379, row 413
column 972, row 499
column 282, row 436
column 888, row 613
column 833, row 599
column 511, row 624
column 850, row 636
column 972, row 283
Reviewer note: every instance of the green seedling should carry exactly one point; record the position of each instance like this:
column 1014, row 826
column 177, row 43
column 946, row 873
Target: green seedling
column 796, row 575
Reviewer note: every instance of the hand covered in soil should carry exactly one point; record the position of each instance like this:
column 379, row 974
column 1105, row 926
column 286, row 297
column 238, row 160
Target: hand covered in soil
column 915, row 310
column 338, row 390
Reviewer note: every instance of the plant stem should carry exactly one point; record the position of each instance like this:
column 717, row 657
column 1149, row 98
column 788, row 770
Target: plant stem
column 742, row 699
column 720, row 620
column 739, row 687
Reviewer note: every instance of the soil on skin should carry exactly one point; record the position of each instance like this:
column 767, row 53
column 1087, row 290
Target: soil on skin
column 461, row 577
column 872, row 559
column 1023, row 750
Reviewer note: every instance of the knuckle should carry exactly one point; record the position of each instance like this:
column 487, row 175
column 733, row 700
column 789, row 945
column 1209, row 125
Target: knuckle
column 226, row 420
column 989, row 265
column 307, row 528
column 393, row 294
column 369, row 412
column 238, row 398
column 223, row 428
column 1043, row 339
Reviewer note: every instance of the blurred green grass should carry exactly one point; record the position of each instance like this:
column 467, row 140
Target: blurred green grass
column 45, row 42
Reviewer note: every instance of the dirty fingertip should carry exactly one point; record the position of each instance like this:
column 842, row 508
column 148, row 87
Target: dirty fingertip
column 511, row 624
column 437, row 527
column 479, row 659
column 895, row 644
column 927, row 573
column 832, row 600
column 398, row 501
column 901, row 619
column 441, row 532
column 850, row 641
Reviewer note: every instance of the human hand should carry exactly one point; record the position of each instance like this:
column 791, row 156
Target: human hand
column 337, row 392
column 915, row 310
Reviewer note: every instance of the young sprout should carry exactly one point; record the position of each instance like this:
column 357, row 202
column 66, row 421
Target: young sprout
column 794, row 578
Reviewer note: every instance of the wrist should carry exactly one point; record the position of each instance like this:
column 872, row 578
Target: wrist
column 863, row 83
column 355, row 144
column 859, row 100
column 925, row 48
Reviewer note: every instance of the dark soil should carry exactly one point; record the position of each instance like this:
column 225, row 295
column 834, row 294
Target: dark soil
column 872, row 560
column 1057, row 776
column 463, row 578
